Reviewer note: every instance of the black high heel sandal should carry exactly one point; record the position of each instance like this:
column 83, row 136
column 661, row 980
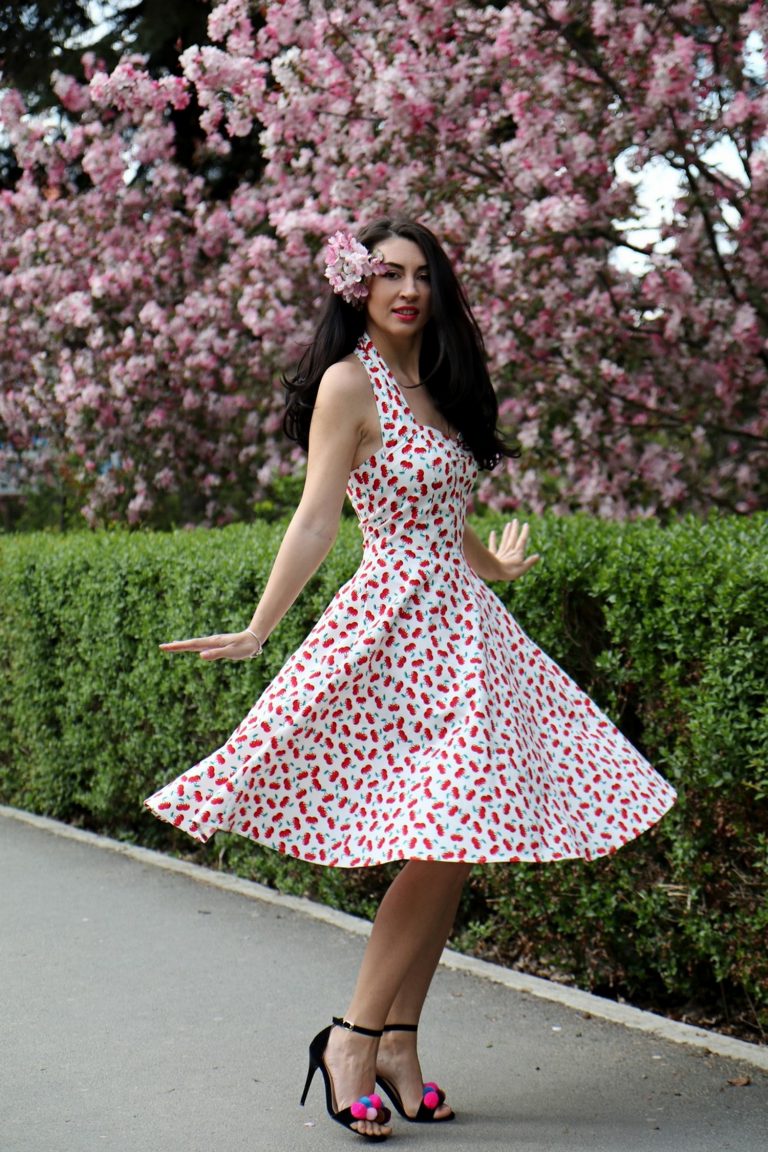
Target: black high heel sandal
column 432, row 1095
column 366, row 1107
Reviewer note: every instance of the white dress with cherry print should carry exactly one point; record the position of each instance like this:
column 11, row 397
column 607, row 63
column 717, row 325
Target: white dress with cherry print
column 417, row 720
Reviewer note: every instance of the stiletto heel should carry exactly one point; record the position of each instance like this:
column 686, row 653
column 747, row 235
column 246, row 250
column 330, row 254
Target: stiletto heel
column 431, row 1095
column 310, row 1078
column 366, row 1107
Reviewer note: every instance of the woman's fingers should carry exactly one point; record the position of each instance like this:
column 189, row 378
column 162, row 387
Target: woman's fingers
column 517, row 539
column 529, row 562
column 226, row 646
column 509, row 535
column 513, row 539
column 510, row 550
column 223, row 646
column 196, row 644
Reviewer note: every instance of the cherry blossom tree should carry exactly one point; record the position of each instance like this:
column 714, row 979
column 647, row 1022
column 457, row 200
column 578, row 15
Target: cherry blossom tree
column 140, row 334
column 145, row 325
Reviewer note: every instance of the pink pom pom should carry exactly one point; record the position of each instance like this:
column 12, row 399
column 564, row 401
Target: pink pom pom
column 359, row 1110
column 371, row 1113
column 431, row 1099
column 430, row 1085
column 376, row 1100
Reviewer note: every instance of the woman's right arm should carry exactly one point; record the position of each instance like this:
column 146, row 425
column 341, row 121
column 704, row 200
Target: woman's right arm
column 339, row 423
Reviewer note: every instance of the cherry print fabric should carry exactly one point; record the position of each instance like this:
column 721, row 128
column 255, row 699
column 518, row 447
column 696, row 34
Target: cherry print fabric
column 417, row 720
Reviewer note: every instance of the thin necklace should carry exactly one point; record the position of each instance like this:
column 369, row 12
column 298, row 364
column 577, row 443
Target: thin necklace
column 407, row 386
column 394, row 375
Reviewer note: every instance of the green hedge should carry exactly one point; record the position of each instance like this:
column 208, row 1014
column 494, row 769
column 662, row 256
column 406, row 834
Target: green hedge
column 664, row 627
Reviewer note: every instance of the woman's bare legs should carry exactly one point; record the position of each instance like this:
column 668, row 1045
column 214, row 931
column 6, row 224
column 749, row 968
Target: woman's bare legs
column 397, row 1058
column 408, row 936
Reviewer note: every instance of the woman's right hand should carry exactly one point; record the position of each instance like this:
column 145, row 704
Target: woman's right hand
column 226, row 646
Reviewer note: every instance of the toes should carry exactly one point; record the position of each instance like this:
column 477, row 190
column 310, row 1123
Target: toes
column 443, row 1111
column 370, row 1128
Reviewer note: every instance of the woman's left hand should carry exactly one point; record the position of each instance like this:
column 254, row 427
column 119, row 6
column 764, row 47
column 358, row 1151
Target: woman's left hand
column 509, row 553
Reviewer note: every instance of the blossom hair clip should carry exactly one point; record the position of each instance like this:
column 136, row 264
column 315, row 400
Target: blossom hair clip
column 348, row 264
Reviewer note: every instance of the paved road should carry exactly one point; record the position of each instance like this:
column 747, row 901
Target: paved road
column 144, row 1011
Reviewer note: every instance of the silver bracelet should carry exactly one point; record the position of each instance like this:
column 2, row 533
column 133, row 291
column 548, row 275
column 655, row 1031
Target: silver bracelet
column 260, row 648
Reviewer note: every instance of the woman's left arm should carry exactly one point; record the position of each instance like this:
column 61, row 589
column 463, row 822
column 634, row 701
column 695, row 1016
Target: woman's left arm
column 501, row 560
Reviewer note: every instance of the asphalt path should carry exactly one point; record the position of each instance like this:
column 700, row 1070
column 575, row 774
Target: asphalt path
column 149, row 1010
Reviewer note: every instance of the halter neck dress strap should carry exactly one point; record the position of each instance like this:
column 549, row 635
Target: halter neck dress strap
column 395, row 417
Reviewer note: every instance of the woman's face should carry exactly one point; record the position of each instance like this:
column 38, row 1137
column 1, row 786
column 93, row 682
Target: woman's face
column 399, row 299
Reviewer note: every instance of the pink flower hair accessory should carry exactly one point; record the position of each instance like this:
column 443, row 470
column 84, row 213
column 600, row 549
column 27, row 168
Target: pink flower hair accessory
column 349, row 264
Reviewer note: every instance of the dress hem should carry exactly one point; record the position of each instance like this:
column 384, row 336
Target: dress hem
column 190, row 827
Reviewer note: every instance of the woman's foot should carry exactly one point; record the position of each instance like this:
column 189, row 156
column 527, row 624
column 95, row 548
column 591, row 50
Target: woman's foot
column 398, row 1068
column 351, row 1062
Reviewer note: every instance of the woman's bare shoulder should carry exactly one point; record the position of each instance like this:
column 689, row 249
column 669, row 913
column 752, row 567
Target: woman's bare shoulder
column 345, row 383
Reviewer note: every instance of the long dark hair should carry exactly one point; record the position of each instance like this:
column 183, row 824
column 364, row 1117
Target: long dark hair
column 452, row 364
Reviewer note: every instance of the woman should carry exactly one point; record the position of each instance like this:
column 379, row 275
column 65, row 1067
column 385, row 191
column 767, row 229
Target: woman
column 417, row 722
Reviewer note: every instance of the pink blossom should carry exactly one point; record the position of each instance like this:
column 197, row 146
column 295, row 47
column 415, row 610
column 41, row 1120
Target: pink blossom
column 74, row 309
column 349, row 264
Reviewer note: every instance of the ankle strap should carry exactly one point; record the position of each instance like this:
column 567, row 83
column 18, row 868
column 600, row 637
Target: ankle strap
column 400, row 1028
column 340, row 1023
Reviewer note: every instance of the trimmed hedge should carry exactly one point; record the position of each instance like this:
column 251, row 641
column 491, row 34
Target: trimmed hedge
column 664, row 627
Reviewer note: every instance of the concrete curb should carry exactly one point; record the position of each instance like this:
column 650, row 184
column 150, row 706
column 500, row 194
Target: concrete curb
column 574, row 998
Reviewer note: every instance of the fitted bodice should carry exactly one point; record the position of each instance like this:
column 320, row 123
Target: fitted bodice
column 412, row 493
